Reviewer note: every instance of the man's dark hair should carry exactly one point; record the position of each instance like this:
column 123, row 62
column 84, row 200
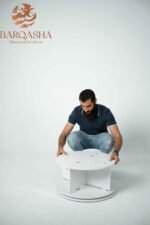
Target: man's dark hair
column 87, row 94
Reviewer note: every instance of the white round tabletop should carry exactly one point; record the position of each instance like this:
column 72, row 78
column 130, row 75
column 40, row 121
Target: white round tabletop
column 89, row 159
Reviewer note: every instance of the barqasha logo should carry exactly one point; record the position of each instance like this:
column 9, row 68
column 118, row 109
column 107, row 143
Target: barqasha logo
column 24, row 15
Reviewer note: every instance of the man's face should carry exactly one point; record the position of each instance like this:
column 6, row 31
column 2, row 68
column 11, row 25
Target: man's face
column 87, row 106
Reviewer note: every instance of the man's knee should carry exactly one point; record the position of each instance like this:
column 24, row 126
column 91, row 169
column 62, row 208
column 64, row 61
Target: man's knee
column 108, row 144
column 74, row 140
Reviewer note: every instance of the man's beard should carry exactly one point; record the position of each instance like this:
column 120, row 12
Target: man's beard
column 91, row 114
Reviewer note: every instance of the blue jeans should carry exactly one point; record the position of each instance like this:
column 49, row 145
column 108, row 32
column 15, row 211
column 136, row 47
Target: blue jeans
column 79, row 140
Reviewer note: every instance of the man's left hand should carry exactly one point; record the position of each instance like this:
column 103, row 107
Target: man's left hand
column 114, row 156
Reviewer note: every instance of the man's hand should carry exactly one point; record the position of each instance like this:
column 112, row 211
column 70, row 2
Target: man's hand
column 114, row 156
column 61, row 151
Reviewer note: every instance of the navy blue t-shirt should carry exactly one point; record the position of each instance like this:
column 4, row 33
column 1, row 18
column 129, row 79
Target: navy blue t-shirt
column 96, row 125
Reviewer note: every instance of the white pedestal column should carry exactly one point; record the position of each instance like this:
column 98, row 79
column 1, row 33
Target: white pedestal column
column 85, row 178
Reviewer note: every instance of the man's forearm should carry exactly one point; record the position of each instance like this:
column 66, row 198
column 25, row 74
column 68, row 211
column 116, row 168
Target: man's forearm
column 118, row 144
column 61, row 141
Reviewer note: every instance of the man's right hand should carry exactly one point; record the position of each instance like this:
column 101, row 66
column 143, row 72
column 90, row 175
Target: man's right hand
column 61, row 151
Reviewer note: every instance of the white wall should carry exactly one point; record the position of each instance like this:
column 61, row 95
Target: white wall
column 102, row 45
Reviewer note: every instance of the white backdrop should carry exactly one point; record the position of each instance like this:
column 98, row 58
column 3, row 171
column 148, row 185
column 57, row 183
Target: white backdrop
column 102, row 45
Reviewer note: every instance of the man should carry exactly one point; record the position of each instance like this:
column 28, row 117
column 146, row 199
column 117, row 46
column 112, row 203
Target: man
column 98, row 128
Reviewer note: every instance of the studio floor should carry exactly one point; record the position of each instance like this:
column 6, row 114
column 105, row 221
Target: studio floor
column 28, row 193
